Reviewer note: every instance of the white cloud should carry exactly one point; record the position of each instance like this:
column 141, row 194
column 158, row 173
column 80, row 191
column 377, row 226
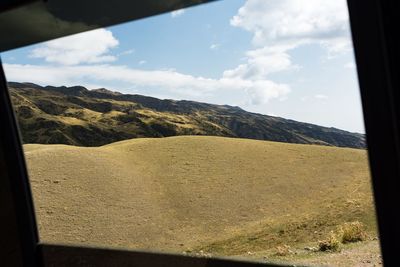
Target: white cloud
column 88, row 47
column 260, row 63
column 337, row 46
column 293, row 22
column 177, row 13
column 262, row 91
column 258, row 92
column 127, row 52
column 215, row 46
column 277, row 27
column 317, row 97
column 350, row 65
column 320, row 96
column 281, row 26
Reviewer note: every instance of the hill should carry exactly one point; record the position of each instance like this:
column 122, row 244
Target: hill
column 82, row 117
column 225, row 196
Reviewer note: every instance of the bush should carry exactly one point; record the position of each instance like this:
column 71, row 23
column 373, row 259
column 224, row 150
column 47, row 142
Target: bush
column 352, row 232
column 346, row 233
column 332, row 243
column 283, row 250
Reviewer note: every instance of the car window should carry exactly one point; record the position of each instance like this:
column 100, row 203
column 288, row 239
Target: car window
column 232, row 129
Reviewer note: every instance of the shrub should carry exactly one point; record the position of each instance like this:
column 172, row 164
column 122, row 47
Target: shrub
column 283, row 250
column 332, row 243
column 345, row 233
column 352, row 232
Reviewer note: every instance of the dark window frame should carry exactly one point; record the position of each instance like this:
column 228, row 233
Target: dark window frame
column 377, row 56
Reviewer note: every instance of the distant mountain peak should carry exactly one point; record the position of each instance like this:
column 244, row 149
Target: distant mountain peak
column 105, row 91
column 22, row 85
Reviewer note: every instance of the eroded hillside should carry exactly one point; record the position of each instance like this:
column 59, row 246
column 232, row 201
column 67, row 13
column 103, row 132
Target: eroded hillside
column 77, row 116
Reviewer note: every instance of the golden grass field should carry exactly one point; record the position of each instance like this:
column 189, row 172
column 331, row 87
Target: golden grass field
column 198, row 194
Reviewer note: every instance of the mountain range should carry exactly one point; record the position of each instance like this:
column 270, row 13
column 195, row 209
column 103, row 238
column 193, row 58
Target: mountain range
column 81, row 117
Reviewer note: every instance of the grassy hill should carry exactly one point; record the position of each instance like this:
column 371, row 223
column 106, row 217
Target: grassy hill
column 225, row 196
column 82, row 117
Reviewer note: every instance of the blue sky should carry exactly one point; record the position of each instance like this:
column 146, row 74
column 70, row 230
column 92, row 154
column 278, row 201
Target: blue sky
column 288, row 58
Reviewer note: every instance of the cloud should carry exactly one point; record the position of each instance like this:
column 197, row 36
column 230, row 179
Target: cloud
column 317, row 97
column 249, row 80
column 262, row 91
column 260, row 63
column 350, row 65
column 337, row 46
column 215, row 46
column 281, row 26
column 294, row 22
column 88, row 47
column 127, row 52
column 178, row 84
column 320, row 96
column 177, row 13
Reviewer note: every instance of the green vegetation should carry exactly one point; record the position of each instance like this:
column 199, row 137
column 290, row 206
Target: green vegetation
column 81, row 117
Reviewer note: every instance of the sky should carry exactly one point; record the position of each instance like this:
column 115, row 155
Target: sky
column 289, row 58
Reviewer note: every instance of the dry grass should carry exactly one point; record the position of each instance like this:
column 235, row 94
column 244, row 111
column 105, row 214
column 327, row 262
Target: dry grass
column 348, row 232
column 283, row 250
column 365, row 254
column 332, row 243
column 72, row 121
column 218, row 195
column 352, row 232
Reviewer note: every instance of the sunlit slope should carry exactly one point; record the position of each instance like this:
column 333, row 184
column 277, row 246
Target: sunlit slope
column 81, row 117
column 187, row 192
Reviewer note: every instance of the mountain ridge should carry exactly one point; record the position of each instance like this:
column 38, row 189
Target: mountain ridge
column 79, row 116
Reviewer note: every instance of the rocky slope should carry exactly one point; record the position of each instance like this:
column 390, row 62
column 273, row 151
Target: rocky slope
column 78, row 116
